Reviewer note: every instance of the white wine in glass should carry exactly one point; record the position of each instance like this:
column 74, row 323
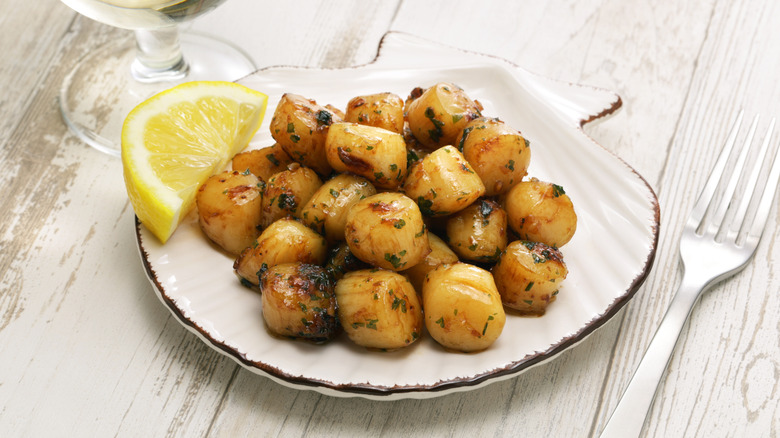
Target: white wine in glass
column 107, row 83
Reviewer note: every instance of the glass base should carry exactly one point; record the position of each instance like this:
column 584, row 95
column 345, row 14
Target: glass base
column 100, row 91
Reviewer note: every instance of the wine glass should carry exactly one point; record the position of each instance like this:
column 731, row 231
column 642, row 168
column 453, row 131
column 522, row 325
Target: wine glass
column 107, row 83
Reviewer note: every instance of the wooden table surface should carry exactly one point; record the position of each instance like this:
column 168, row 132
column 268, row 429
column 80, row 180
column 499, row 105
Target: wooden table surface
column 87, row 349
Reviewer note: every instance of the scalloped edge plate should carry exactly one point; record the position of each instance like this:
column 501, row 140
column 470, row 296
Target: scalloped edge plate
column 608, row 259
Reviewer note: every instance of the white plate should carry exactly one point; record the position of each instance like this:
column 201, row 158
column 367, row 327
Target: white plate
column 608, row 259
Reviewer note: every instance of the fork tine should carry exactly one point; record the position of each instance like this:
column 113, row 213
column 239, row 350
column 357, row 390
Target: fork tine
column 762, row 213
column 704, row 199
column 750, row 188
column 731, row 186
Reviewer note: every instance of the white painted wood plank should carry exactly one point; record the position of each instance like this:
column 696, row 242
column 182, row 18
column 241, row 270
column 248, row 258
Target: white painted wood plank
column 331, row 34
column 713, row 386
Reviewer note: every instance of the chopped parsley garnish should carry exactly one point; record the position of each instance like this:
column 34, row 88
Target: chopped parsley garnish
column 490, row 318
column 272, row 159
column 485, row 208
column 436, row 133
column 399, row 302
column 411, row 157
column 287, row 201
column 463, row 137
column 324, row 118
column 395, row 260
column 425, row 206
column 261, row 271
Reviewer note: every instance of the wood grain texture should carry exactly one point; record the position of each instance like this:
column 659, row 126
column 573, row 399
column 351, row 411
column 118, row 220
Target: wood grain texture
column 731, row 73
column 88, row 350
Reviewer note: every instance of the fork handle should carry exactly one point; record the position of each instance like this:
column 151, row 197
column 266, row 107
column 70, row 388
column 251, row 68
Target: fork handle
column 629, row 417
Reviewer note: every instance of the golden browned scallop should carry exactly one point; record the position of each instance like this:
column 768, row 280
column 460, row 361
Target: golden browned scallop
column 341, row 260
column 413, row 95
column 387, row 230
column 284, row 241
column 499, row 154
column 440, row 254
column 374, row 153
column 336, row 111
column 299, row 302
column 383, row 110
column 478, row 232
column 541, row 212
column 229, row 209
column 287, row 192
column 379, row 309
column 440, row 113
column 528, row 276
column 443, row 183
column 264, row 162
column 463, row 310
column 300, row 125
column 326, row 211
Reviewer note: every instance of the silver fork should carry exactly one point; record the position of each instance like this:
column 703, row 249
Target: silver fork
column 718, row 240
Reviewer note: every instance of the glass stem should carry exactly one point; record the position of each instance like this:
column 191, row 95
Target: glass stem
column 159, row 57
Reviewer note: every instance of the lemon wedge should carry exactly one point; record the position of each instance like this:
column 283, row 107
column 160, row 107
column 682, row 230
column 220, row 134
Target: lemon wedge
column 173, row 141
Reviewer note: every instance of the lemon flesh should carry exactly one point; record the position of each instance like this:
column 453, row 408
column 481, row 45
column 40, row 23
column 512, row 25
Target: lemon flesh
column 175, row 140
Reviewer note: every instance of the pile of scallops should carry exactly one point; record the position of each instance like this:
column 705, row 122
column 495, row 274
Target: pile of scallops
column 391, row 219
